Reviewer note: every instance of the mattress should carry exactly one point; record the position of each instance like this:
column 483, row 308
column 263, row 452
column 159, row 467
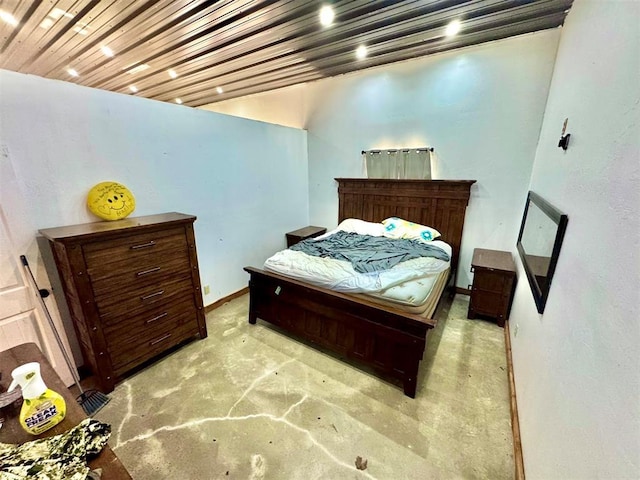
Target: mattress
column 340, row 276
column 418, row 297
column 413, row 286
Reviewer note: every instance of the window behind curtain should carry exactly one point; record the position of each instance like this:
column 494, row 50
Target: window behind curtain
column 401, row 164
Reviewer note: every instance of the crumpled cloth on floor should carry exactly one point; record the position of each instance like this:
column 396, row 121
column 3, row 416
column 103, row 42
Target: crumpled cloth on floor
column 61, row 457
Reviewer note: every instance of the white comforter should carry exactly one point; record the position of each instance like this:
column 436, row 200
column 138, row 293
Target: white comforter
column 340, row 276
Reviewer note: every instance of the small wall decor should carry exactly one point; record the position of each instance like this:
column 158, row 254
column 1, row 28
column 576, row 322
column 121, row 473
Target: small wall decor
column 564, row 139
column 111, row 201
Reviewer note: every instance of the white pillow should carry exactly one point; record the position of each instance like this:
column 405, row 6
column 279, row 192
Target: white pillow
column 355, row 225
column 395, row 227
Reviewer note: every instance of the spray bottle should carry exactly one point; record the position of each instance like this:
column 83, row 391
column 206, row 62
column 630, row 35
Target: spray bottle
column 42, row 408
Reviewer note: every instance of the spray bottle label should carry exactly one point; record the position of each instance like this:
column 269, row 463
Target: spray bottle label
column 42, row 413
column 45, row 412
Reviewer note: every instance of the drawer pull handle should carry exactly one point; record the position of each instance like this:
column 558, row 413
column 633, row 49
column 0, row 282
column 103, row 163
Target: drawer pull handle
column 158, row 340
column 156, row 318
column 143, row 245
column 146, row 272
column 151, row 295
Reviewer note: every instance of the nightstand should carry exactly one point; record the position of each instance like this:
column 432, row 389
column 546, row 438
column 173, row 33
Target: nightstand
column 494, row 282
column 304, row 233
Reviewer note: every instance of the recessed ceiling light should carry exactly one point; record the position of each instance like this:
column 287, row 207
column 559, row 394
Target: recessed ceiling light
column 172, row 73
column 361, row 52
column 452, row 28
column 107, row 51
column 72, row 72
column 326, row 15
column 8, row 18
column 53, row 16
column 81, row 28
column 133, row 88
column 219, row 90
column 178, row 101
column 138, row 69
column 57, row 13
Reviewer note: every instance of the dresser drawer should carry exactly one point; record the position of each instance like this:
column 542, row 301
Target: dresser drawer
column 112, row 278
column 140, row 333
column 127, row 357
column 140, row 299
column 134, row 247
column 127, row 327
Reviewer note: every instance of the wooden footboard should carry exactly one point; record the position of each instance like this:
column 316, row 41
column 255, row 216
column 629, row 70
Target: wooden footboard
column 388, row 341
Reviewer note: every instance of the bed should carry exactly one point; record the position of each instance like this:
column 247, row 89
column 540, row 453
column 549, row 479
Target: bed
column 378, row 336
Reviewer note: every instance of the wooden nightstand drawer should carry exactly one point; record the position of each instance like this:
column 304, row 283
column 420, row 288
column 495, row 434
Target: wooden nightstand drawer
column 488, row 280
column 493, row 304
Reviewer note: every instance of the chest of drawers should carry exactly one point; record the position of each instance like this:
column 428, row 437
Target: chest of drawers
column 132, row 287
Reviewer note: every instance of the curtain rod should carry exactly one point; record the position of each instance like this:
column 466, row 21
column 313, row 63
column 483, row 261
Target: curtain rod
column 430, row 149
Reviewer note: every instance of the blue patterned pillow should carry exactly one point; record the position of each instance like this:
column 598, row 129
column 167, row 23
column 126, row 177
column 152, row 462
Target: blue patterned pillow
column 395, row 227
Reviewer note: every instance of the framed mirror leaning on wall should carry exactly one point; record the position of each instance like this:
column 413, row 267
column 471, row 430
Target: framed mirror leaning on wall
column 541, row 234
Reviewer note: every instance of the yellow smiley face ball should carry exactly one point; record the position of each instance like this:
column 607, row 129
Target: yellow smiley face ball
column 111, row 201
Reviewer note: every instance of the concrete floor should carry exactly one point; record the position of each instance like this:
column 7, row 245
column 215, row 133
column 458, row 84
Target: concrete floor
column 250, row 403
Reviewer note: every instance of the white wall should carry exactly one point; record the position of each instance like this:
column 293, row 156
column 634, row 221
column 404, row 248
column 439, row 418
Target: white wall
column 284, row 106
column 577, row 366
column 246, row 181
column 480, row 107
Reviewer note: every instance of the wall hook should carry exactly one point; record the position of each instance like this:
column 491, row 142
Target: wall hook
column 564, row 139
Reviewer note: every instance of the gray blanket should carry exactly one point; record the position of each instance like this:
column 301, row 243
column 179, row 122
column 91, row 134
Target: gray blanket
column 367, row 253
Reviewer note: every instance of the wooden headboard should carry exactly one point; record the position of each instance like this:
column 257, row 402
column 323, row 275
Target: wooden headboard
column 440, row 204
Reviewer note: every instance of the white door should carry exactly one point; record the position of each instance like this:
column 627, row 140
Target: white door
column 22, row 318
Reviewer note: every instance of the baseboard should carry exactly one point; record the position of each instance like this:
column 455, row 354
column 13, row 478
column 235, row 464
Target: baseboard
column 515, row 423
column 463, row 291
column 228, row 298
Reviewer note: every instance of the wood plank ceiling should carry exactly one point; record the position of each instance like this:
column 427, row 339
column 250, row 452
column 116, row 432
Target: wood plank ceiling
column 202, row 52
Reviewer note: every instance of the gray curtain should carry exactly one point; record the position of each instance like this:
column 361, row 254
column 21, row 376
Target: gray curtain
column 401, row 164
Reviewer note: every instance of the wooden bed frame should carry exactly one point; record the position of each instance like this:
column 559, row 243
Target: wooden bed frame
column 388, row 341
